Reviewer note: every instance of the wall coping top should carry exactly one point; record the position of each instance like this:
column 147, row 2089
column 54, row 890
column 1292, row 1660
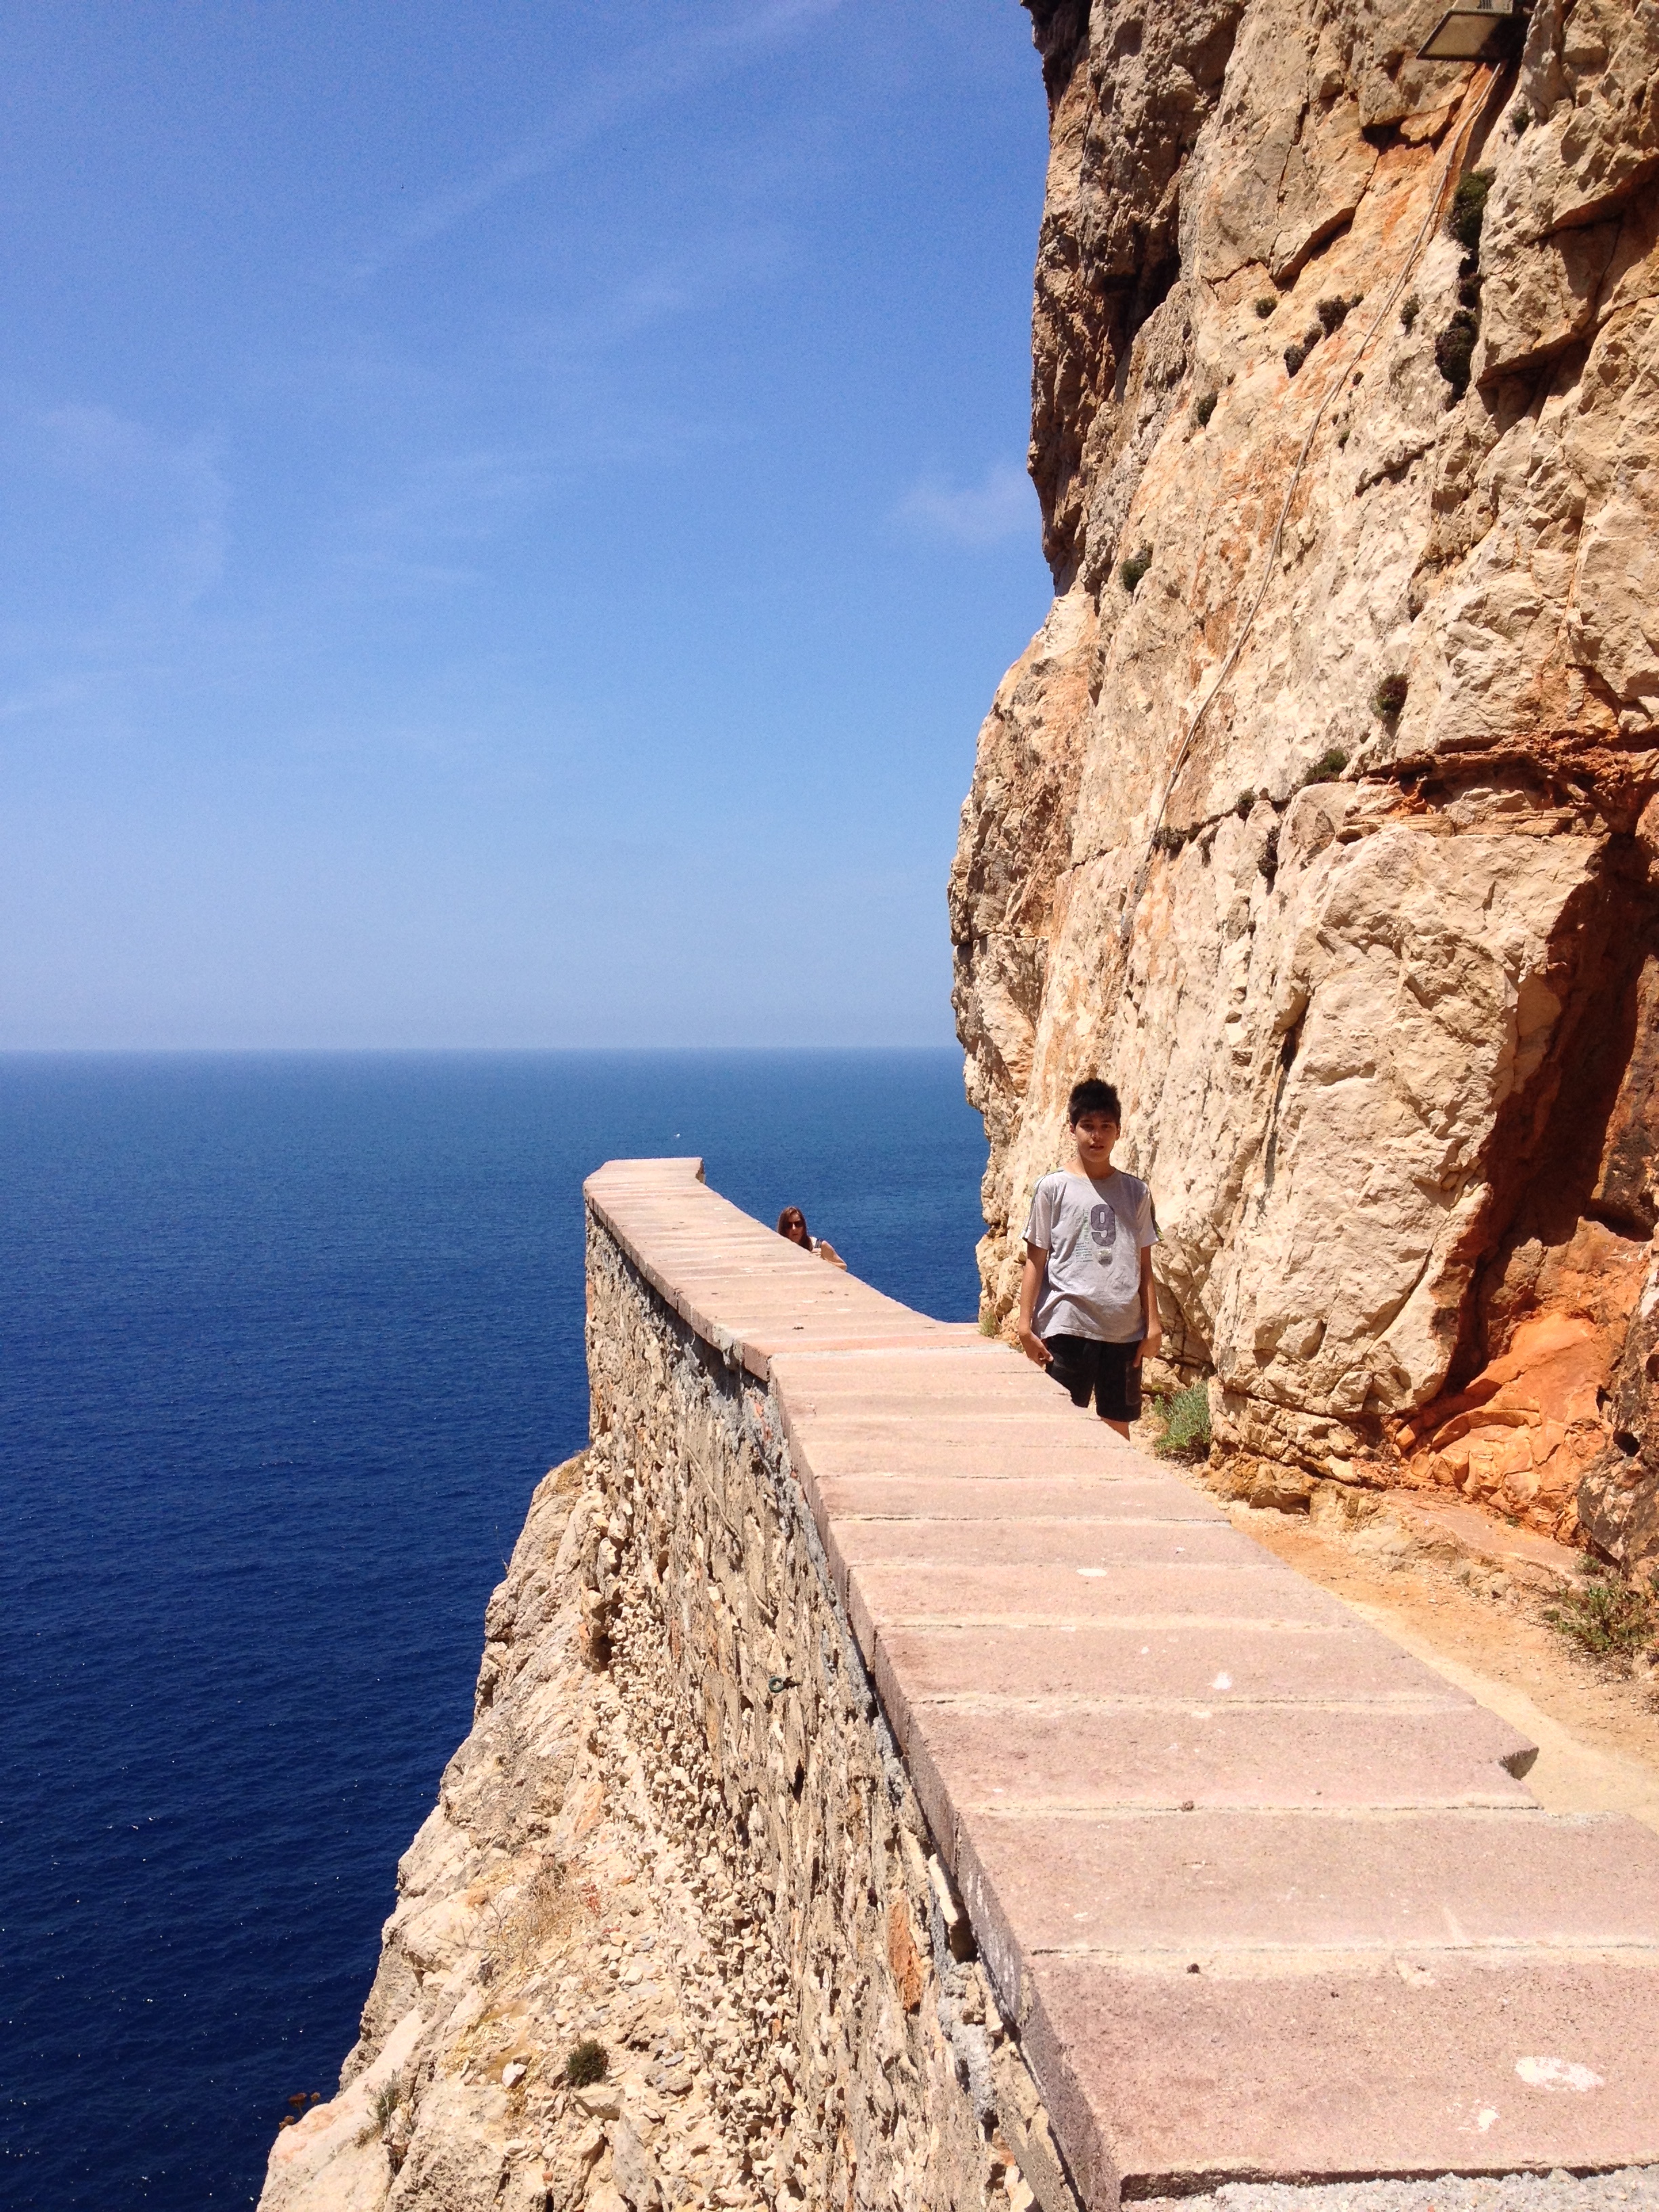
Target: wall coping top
column 746, row 1291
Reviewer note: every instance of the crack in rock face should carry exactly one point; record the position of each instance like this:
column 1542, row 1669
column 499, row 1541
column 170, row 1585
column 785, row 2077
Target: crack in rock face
column 1378, row 977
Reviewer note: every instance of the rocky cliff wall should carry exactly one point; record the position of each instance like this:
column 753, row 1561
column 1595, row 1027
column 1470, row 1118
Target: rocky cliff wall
column 1320, row 815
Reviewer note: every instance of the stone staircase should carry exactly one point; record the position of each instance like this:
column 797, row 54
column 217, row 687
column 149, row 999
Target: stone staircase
column 1264, row 1896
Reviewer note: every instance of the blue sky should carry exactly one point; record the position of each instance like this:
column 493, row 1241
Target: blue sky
column 515, row 512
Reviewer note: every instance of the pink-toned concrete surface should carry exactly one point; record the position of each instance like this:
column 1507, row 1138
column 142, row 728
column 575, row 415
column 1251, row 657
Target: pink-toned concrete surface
column 1262, row 1893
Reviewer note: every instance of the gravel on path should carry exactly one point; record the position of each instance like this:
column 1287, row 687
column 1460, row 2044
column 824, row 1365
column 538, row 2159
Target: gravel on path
column 1631, row 2189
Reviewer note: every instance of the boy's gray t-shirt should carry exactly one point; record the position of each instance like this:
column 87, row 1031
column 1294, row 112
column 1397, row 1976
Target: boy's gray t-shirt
column 1093, row 1233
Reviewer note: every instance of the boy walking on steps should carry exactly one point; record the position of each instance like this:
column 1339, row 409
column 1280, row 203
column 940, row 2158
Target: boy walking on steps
column 1088, row 1309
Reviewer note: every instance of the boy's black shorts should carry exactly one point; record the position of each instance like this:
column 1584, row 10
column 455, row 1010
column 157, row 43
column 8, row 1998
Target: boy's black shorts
column 1108, row 1373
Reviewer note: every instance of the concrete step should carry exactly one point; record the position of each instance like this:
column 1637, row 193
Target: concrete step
column 1213, row 1881
column 1159, row 2081
column 1087, row 1755
column 915, row 1664
column 1048, row 1497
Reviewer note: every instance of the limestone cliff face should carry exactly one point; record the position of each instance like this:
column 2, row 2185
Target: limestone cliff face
column 1320, row 813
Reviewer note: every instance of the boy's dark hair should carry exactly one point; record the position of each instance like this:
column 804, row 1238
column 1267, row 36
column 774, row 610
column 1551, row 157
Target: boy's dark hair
column 1093, row 1097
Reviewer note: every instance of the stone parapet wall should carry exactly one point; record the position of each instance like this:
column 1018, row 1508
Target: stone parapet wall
column 678, row 1829
column 876, row 2061
column 897, row 1626
column 923, row 1799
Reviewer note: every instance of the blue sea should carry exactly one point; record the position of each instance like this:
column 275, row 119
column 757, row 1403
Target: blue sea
column 286, row 1342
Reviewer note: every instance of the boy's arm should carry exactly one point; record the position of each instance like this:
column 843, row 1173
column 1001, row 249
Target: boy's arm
column 1152, row 1341
column 1031, row 1282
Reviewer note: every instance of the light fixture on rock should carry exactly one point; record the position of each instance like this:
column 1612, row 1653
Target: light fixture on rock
column 1478, row 33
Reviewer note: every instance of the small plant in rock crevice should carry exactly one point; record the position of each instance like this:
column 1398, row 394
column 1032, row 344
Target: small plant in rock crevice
column 1454, row 350
column 1410, row 311
column 1203, row 408
column 1389, row 699
column 1243, row 804
column 1297, row 352
column 1326, row 767
column 1608, row 1618
column 1186, row 1418
column 1468, row 211
column 384, row 2104
column 1265, row 307
column 589, row 2062
column 1131, row 571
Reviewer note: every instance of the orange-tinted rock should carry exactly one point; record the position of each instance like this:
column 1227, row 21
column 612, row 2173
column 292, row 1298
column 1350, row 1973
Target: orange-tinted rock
column 904, row 1959
column 1619, row 1499
column 1381, row 988
column 1520, row 1437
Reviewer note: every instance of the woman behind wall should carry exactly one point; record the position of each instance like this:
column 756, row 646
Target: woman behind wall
column 792, row 1224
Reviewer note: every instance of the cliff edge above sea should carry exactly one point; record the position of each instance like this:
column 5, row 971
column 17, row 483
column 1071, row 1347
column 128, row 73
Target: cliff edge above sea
column 1320, row 814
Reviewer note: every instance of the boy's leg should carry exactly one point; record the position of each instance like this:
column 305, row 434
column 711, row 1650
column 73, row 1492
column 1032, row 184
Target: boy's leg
column 1117, row 1391
column 1072, row 1365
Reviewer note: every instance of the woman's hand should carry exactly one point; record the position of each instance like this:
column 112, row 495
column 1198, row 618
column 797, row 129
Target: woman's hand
column 1034, row 1348
column 1149, row 1346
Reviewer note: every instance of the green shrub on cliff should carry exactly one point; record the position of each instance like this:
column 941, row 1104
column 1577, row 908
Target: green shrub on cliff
column 1469, row 209
column 1327, row 768
column 1608, row 1619
column 1186, row 1418
column 1454, row 350
column 589, row 2062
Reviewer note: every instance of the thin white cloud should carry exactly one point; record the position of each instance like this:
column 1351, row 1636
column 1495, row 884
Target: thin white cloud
column 45, row 698
column 667, row 66
column 417, row 526
column 115, row 523
column 703, row 272
column 1002, row 505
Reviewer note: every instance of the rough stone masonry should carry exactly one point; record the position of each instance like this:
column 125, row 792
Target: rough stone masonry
column 678, row 1827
